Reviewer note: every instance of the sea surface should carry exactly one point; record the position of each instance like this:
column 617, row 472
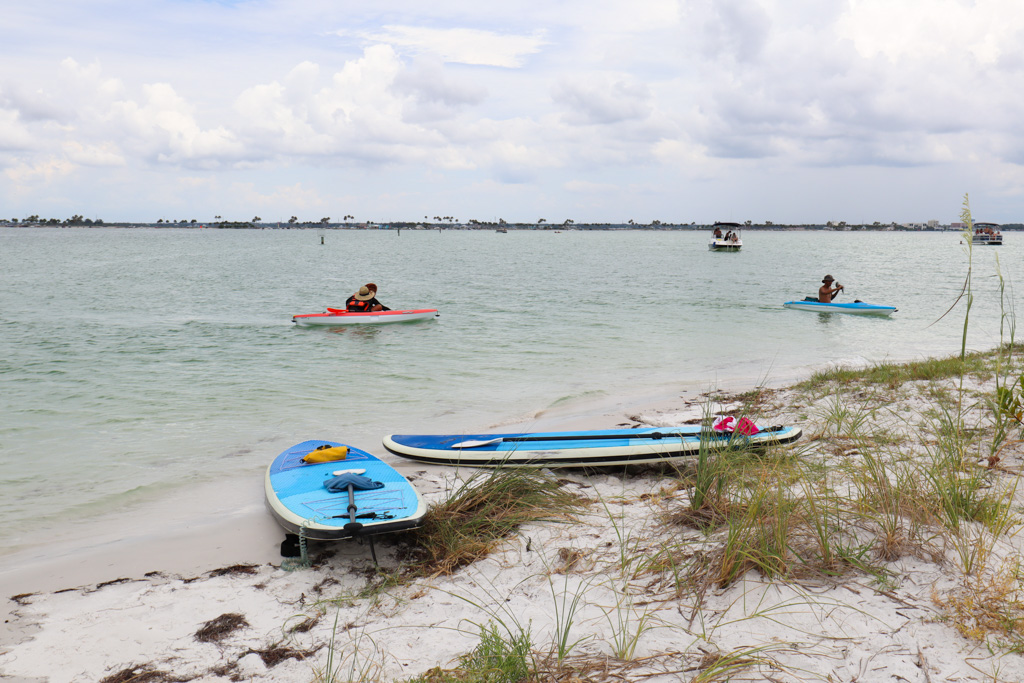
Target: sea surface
column 137, row 365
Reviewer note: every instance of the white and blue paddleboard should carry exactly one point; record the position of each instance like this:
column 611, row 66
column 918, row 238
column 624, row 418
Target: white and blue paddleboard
column 593, row 448
column 300, row 502
column 856, row 307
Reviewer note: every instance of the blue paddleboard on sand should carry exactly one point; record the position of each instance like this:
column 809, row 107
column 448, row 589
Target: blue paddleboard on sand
column 592, row 448
column 359, row 495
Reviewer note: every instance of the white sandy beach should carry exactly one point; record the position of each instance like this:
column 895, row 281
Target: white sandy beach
column 133, row 613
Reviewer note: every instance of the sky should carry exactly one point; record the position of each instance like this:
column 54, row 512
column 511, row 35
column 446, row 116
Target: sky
column 790, row 111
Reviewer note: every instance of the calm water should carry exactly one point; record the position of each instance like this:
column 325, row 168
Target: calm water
column 136, row 364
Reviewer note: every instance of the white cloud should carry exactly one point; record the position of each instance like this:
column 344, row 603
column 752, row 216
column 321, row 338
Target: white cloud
column 13, row 133
column 604, row 101
column 43, row 170
column 105, row 154
column 463, row 45
column 590, row 188
column 930, row 29
column 650, row 96
column 357, row 115
column 297, row 196
column 164, row 128
column 434, row 95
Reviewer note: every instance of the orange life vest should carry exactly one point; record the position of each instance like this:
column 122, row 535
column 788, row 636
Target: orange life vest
column 356, row 306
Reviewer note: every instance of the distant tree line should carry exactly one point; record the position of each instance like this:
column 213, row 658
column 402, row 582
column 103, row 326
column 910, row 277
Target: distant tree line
column 34, row 219
column 450, row 222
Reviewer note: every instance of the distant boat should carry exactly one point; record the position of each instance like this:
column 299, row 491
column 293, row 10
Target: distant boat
column 726, row 237
column 501, row 230
column 987, row 234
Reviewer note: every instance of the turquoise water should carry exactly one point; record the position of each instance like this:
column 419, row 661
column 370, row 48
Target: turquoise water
column 137, row 363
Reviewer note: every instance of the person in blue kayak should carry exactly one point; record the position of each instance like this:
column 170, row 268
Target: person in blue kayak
column 365, row 300
column 827, row 292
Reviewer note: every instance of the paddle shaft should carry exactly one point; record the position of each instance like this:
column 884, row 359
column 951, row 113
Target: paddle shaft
column 598, row 437
column 352, row 525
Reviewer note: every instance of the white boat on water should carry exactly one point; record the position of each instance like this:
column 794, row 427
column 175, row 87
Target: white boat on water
column 987, row 234
column 729, row 240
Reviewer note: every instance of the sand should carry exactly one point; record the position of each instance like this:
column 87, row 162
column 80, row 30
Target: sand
column 138, row 613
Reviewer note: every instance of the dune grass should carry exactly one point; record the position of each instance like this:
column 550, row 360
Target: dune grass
column 780, row 512
column 485, row 510
column 894, row 375
column 786, row 518
column 498, row 658
column 851, row 499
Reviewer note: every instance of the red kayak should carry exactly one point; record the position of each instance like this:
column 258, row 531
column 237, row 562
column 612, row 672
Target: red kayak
column 339, row 316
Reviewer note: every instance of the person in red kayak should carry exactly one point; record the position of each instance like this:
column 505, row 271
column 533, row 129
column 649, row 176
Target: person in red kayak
column 827, row 292
column 365, row 300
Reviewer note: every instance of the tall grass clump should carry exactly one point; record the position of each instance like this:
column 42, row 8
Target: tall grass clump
column 711, row 476
column 963, row 493
column 888, row 503
column 483, row 511
column 567, row 606
column 774, row 516
column 967, row 235
column 844, row 421
column 757, row 536
column 627, row 625
column 730, row 665
column 360, row 660
column 1008, row 404
column 496, row 659
column 827, row 521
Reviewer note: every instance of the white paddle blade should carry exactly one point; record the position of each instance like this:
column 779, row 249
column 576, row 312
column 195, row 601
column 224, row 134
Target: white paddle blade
column 475, row 444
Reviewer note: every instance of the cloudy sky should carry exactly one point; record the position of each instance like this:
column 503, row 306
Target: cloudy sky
column 590, row 110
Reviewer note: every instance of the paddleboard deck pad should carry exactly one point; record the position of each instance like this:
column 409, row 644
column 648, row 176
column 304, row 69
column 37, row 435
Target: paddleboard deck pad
column 339, row 316
column 299, row 501
column 594, row 448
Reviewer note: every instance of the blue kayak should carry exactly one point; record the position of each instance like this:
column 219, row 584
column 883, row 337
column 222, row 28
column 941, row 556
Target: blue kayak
column 317, row 497
column 857, row 307
column 592, row 448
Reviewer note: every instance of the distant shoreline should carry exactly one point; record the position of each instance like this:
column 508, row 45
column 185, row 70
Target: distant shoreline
column 485, row 227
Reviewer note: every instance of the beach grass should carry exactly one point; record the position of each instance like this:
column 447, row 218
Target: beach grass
column 895, row 375
column 865, row 492
column 484, row 510
column 887, row 472
column 498, row 658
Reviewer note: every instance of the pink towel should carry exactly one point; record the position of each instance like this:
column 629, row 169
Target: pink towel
column 727, row 423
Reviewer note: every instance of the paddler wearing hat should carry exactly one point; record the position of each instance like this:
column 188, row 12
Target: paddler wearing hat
column 365, row 300
column 827, row 292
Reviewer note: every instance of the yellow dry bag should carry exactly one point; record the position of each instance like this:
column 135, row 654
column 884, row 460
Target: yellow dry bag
column 326, row 453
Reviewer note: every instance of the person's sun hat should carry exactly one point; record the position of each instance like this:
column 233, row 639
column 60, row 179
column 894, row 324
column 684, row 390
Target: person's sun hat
column 364, row 294
column 829, row 278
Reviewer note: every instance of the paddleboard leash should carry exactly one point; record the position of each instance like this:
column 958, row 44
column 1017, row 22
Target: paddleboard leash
column 291, row 564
